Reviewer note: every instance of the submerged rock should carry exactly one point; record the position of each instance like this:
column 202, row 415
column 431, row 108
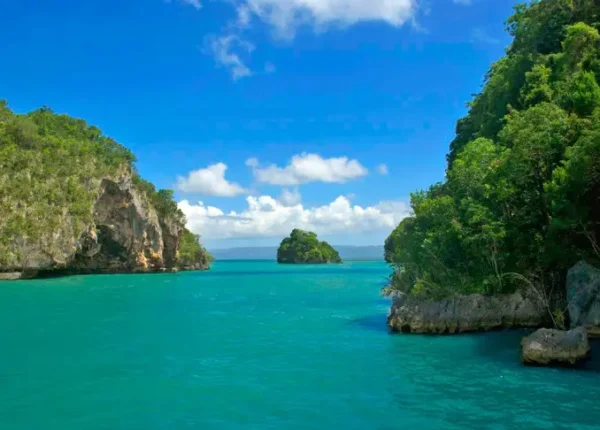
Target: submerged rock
column 460, row 314
column 548, row 347
column 583, row 296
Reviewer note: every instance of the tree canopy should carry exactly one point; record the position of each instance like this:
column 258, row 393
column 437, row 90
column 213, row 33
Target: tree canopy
column 304, row 247
column 522, row 192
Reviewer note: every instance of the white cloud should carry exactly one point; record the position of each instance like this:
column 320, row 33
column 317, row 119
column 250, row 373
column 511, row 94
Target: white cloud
column 244, row 16
column 465, row 2
column 382, row 169
column 252, row 162
column 195, row 3
column 267, row 217
column 290, row 198
column 209, row 181
column 222, row 48
column 285, row 16
column 306, row 168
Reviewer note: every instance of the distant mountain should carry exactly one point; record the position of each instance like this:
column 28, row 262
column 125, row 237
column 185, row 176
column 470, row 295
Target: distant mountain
column 374, row 252
column 249, row 253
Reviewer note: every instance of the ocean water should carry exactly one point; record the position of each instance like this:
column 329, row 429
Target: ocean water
column 255, row 345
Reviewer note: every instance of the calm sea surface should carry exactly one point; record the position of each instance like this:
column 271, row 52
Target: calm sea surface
column 255, row 345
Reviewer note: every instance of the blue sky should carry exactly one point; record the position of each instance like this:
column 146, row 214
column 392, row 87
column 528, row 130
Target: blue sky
column 343, row 86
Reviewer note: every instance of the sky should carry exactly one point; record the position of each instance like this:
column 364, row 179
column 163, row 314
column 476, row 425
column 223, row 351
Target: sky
column 264, row 115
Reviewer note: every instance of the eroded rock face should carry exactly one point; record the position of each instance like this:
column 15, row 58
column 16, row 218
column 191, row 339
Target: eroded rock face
column 125, row 235
column 583, row 296
column 171, row 234
column 555, row 347
column 461, row 314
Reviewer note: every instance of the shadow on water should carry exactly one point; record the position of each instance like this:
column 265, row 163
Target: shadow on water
column 500, row 345
column 506, row 345
column 376, row 322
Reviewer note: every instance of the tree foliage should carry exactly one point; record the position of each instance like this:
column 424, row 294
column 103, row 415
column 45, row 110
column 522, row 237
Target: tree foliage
column 304, row 247
column 522, row 194
column 191, row 252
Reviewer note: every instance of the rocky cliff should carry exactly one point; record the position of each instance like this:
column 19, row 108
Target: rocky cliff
column 126, row 234
column 71, row 201
column 468, row 313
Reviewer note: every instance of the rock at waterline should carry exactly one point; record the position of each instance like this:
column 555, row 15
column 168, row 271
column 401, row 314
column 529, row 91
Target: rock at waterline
column 463, row 314
column 583, row 295
column 555, row 347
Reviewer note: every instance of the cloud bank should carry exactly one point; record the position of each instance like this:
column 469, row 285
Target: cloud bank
column 269, row 217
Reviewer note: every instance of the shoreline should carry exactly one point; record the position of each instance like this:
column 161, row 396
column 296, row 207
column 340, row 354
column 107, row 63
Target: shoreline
column 63, row 273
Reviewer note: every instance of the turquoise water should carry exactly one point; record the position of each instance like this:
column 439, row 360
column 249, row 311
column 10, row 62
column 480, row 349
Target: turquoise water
column 258, row 346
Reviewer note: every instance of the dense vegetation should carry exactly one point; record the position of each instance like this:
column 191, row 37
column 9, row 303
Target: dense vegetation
column 50, row 168
column 521, row 200
column 191, row 253
column 304, row 247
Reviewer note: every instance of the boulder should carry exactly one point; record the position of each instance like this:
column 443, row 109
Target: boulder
column 465, row 313
column 10, row 276
column 555, row 347
column 583, row 296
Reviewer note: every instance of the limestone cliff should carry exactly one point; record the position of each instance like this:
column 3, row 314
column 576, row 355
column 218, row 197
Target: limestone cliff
column 126, row 234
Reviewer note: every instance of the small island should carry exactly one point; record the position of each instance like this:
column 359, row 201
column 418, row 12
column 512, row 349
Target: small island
column 73, row 202
column 303, row 247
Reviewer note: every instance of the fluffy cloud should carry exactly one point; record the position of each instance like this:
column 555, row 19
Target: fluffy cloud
column 382, row 169
column 306, row 168
column 224, row 51
column 290, row 198
column 268, row 217
column 285, row 16
column 209, row 181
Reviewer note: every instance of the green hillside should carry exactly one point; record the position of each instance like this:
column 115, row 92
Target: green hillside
column 521, row 202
